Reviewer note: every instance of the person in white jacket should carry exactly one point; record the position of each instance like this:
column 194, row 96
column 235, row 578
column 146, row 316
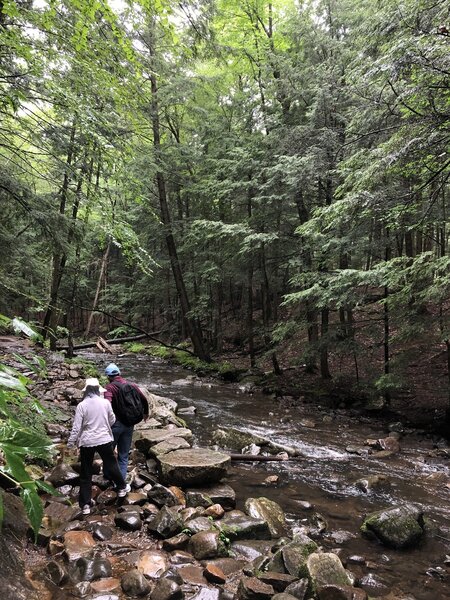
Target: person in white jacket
column 91, row 432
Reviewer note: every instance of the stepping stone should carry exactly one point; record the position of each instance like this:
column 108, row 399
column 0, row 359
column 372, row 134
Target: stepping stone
column 193, row 466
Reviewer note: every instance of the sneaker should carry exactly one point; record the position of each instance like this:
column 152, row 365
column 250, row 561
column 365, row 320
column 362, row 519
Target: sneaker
column 86, row 510
column 124, row 491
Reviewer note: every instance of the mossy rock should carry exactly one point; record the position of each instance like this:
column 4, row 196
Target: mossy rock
column 399, row 527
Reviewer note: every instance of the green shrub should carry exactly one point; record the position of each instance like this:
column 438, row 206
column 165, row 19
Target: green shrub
column 135, row 347
column 21, row 440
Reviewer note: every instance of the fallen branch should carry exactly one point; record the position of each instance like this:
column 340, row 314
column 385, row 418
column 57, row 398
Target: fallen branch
column 257, row 457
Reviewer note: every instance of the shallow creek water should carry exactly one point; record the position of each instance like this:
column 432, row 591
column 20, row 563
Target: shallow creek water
column 325, row 474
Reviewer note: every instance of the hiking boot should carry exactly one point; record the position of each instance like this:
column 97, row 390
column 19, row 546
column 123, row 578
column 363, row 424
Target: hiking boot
column 124, row 491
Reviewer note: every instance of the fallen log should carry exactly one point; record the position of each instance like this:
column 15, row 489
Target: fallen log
column 132, row 338
column 257, row 457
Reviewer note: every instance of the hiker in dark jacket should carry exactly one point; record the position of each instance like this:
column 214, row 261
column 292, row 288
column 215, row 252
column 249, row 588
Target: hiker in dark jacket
column 122, row 432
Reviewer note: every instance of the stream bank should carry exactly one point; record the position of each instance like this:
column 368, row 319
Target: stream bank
column 317, row 492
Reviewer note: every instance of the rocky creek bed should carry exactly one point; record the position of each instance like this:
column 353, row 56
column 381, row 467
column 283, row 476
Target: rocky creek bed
column 178, row 534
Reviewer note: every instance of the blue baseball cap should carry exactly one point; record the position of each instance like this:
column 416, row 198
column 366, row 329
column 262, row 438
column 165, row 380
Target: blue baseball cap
column 112, row 370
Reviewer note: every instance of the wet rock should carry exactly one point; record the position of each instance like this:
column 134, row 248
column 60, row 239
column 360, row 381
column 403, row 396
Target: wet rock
column 163, row 496
column 174, row 443
column 214, row 574
column 251, row 588
column 199, row 524
column 271, row 480
column 293, row 556
column 166, row 523
column 166, row 589
column 179, row 557
column 64, row 490
column 238, row 526
column 359, row 450
column 207, row 544
column 215, row 511
column 88, row 569
column 102, row 532
column 152, row 563
column 193, row 575
column 235, row 439
column 228, row 565
column 63, row 474
column 134, row 583
column 59, row 513
column 128, row 520
column 82, row 589
column 398, row 527
column 193, row 466
column 397, row 427
column 78, row 544
column 55, row 547
column 325, row 568
column 251, row 549
column 56, row 573
column 178, row 542
column 339, row 592
column 221, row 493
column 367, row 484
column 109, row 584
column 190, row 513
column 134, row 498
column 104, row 596
column 298, row 589
column 341, row 537
column 269, row 511
column 206, row 594
column 355, row 559
column 279, row 581
column 390, row 443
column 373, row 585
column 188, row 410
column 150, row 437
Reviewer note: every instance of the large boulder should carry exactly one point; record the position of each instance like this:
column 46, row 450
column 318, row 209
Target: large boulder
column 325, row 568
column 236, row 525
column 399, row 527
column 193, row 466
column 269, row 511
column 236, row 440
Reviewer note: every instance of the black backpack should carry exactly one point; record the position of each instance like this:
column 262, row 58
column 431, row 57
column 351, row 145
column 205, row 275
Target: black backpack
column 127, row 404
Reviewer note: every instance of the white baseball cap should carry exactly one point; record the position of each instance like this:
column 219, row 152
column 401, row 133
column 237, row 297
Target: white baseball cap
column 93, row 382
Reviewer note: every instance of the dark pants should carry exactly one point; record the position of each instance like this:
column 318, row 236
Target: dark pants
column 109, row 463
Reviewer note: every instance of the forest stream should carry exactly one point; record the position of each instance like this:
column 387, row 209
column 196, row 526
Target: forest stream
column 324, row 474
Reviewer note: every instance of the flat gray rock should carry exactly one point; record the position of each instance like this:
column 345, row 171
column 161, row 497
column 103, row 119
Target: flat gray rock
column 193, row 466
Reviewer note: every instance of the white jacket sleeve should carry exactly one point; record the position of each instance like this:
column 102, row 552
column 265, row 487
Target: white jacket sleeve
column 76, row 427
column 111, row 415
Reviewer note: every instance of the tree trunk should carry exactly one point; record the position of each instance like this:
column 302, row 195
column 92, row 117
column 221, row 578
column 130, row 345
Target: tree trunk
column 324, row 366
column 192, row 327
column 97, row 291
column 59, row 257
